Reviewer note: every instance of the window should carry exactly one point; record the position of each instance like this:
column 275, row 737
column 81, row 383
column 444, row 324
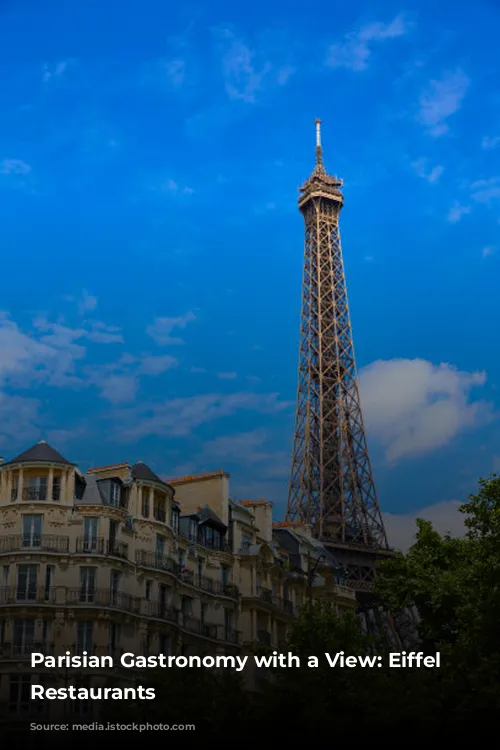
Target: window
column 145, row 504
column 182, row 559
column 5, row 577
column 15, row 489
column 26, row 582
column 208, row 536
column 84, row 636
column 90, row 529
column 160, row 546
column 224, row 575
column 49, row 573
column 228, row 623
column 114, row 637
column 164, row 599
column 20, row 693
column 193, row 530
column 56, row 489
column 246, row 541
column 149, row 587
column 113, row 530
column 175, row 520
column 114, row 585
column 115, row 494
column 87, row 584
column 200, row 568
column 203, row 612
column 186, row 605
column 24, row 636
column 165, row 644
column 36, row 489
column 32, row 531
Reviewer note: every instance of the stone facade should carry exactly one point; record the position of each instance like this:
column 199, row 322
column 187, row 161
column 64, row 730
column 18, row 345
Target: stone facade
column 118, row 559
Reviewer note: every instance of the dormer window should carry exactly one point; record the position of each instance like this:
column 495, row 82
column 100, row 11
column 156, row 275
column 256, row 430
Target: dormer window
column 175, row 520
column 115, row 494
column 192, row 530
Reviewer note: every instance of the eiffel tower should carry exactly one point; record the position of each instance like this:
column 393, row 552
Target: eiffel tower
column 331, row 483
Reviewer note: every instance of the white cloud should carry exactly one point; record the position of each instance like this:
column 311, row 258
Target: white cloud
column 412, row 406
column 14, row 166
column 456, row 212
column 354, row 51
column 227, row 375
column 489, row 142
column 87, row 303
column 248, row 71
column 157, row 365
column 431, row 174
column 484, row 191
column 175, row 71
column 161, row 328
column 51, row 72
column 19, row 419
column 445, row 517
column 487, row 251
column 442, row 99
column 180, row 416
column 171, row 186
column 117, row 388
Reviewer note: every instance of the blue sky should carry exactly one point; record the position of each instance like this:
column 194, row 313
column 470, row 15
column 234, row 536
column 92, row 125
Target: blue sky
column 152, row 248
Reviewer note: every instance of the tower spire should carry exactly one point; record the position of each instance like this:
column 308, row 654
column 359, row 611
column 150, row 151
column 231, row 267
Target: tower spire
column 319, row 148
column 331, row 482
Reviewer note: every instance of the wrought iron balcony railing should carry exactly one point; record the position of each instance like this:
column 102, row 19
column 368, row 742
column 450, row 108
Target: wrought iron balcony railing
column 26, row 594
column 97, row 545
column 218, row 587
column 24, row 648
column 159, row 610
column 26, row 542
column 158, row 561
column 87, row 596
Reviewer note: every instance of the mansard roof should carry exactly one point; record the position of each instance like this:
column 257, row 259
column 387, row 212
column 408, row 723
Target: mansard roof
column 41, row 452
column 204, row 515
column 140, row 470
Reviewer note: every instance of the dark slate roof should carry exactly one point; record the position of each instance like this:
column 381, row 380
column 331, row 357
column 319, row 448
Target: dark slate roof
column 206, row 514
column 41, row 451
column 141, row 471
column 91, row 494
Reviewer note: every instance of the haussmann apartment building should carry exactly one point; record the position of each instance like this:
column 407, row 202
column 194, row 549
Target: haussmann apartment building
column 118, row 559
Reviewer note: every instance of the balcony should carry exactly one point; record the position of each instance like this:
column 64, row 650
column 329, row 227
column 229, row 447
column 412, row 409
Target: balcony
column 117, row 549
column 160, row 610
column 91, row 545
column 28, row 543
column 208, row 630
column 25, row 649
column 89, row 597
column 267, row 596
column 26, row 595
column 232, row 636
column 157, row 561
column 217, row 587
column 188, row 622
column 100, row 546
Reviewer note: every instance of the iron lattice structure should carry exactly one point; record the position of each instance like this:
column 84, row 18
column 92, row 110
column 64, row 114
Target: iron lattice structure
column 331, row 485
